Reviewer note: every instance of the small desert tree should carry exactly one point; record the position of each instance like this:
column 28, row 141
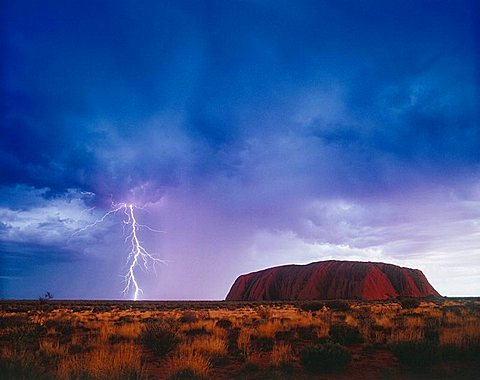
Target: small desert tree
column 46, row 297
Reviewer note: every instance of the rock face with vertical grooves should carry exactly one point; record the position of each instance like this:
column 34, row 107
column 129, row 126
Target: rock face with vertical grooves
column 331, row 280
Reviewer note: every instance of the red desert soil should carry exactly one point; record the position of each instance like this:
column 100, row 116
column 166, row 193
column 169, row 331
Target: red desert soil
column 331, row 280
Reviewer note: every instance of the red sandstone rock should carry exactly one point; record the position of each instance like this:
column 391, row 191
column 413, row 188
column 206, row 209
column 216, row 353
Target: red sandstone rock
column 331, row 280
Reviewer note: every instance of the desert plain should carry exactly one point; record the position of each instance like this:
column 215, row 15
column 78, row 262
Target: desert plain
column 336, row 339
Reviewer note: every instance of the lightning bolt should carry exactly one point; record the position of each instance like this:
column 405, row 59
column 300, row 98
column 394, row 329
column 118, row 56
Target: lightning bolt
column 138, row 257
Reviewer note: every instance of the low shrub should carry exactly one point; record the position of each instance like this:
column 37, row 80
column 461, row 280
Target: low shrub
column 472, row 306
column 432, row 334
column 421, row 355
column 115, row 339
column 328, row 357
column 453, row 352
column 224, row 323
column 251, row 367
column 26, row 336
column 7, row 321
column 20, row 365
column 64, row 328
column 285, row 335
column 338, row 305
column 416, row 355
column 159, row 337
column 101, row 309
column 262, row 343
column 307, row 332
column 197, row 331
column 312, row 305
column 345, row 334
column 188, row 317
column 232, row 338
column 50, row 352
column 410, row 303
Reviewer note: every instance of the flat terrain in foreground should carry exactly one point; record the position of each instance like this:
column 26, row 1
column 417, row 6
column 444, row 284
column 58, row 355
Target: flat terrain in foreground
column 406, row 339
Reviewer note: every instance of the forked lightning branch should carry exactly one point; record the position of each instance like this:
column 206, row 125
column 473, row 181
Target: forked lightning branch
column 138, row 257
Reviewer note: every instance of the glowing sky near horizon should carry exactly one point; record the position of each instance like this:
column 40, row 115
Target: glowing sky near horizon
column 254, row 133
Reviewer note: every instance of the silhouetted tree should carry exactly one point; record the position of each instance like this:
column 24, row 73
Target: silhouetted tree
column 47, row 296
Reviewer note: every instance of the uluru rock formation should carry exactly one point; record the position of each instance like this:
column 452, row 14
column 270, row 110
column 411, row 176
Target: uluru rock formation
column 331, row 280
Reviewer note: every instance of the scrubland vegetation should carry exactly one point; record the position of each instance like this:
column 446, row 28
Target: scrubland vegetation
column 409, row 339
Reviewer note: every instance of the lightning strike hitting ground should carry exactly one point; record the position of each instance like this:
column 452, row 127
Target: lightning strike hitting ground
column 138, row 256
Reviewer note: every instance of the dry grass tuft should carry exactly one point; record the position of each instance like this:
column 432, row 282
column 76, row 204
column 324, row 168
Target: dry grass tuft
column 122, row 362
column 211, row 346
column 243, row 341
column 281, row 355
column 268, row 330
column 463, row 336
column 407, row 335
column 188, row 365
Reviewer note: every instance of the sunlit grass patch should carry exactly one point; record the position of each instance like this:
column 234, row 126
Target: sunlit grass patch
column 118, row 363
column 281, row 355
column 210, row 346
column 188, row 365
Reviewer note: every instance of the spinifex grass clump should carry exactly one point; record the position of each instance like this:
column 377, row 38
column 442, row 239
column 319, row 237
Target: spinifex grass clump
column 327, row 357
column 191, row 365
column 159, row 337
column 118, row 362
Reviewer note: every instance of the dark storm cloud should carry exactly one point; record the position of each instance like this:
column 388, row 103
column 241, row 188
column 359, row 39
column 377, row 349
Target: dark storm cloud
column 92, row 90
column 19, row 259
column 30, row 255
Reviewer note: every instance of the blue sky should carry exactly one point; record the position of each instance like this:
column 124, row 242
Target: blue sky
column 253, row 133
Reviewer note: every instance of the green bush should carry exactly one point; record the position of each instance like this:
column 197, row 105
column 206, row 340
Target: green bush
column 345, row 334
column 159, row 337
column 326, row 357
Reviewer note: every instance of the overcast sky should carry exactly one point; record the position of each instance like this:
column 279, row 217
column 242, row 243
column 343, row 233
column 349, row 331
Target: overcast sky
column 253, row 133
